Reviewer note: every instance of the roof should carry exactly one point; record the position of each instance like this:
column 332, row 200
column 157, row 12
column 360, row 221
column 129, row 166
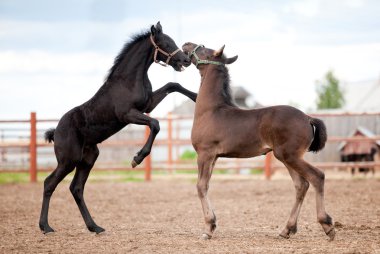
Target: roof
column 185, row 108
column 362, row 96
column 359, row 145
column 240, row 94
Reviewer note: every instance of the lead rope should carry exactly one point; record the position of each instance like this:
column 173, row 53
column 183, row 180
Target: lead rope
column 157, row 48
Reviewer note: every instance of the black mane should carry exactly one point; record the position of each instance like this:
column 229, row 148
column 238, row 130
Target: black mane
column 135, row 39
column 226, row 91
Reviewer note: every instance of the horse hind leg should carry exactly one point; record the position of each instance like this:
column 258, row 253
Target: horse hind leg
column 90, row 154
column 301, row 186
column 68, row 151
column 317, row 178
column 50, row 184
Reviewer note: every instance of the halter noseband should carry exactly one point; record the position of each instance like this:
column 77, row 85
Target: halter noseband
column 157, row 48
column 199, row 61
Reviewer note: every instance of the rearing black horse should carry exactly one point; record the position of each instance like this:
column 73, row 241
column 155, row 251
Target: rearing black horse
column 123, row 99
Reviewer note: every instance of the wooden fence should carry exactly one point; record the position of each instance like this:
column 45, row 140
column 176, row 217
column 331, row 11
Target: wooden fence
column 30, row 143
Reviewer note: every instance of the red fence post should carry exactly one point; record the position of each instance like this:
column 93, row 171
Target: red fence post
column 33, row 148
column 170, row 141
column 268, row 170
column 177, row 136
column 148, row 159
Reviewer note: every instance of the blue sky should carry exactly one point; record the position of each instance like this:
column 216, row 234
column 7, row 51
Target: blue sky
column 54, row 55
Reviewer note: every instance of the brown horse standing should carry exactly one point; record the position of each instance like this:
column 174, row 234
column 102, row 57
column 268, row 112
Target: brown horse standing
column 221, row 129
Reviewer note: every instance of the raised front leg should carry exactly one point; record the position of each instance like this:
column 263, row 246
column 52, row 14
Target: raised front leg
column 161, row 93
column 136, row 117
column 205, row 166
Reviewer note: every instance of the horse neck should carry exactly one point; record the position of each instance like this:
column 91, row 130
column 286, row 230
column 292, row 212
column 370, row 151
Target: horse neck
column 210, row 94
column 136, row 62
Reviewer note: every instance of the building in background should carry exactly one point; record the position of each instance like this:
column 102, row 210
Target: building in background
column 241, row 96
column 363, row 96
column 363, row 150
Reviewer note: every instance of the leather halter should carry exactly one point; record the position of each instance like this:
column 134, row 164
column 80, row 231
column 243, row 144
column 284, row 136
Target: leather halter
column 157, row 48
column 201, row 61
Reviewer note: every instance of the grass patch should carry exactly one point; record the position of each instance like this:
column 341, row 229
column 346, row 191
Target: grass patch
column 115, row 176
column 95, row 176
column 256, row 171
column 20, row 177
column 14, row 178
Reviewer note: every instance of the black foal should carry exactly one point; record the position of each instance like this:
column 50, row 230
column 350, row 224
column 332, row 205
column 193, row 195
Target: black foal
column 123, row 99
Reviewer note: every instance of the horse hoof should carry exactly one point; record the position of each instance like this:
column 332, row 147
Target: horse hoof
column 101, row 232
column 134, row 164
column 284, row 236
column 96, row 229
column 205, row 236
column 331, row 234
column 48, row 232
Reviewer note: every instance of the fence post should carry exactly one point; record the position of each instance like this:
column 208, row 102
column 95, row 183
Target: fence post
column 170, row 142
column 148, row 159
column 33, row 148
column 268, row 170
column 177, row 136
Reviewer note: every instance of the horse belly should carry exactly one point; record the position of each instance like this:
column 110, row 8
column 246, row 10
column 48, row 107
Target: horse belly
column 246, row 149
column 95, row 134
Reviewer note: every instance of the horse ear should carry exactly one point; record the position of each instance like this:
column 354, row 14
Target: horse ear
column 231, row 60
column 159, row 27
column 156, row 29
column 219, row 52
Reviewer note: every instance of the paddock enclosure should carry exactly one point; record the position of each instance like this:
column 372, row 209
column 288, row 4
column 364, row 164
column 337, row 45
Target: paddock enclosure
column 23, row 149
column 165, row 216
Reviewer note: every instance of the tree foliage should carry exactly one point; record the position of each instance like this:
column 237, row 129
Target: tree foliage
column 330, row 94
column 188, row 155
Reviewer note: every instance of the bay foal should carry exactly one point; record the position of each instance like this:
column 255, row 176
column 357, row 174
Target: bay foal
column 221, row 129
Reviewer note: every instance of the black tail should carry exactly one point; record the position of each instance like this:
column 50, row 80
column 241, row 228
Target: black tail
column 320, row 135
column 49, row 135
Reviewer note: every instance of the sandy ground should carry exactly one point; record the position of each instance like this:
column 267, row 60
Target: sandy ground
column 164, row 216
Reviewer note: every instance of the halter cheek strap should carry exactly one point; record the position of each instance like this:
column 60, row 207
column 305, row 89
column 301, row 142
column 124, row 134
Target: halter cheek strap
column 157, row 48
column 199, row 61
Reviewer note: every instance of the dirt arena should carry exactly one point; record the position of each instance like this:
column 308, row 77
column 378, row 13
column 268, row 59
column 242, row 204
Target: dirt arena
column 164, row 216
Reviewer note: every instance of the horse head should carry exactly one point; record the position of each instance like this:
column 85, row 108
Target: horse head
column 199, row 54
column 166, row 50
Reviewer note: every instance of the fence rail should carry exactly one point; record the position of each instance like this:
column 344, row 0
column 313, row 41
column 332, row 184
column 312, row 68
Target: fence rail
column 29, row 144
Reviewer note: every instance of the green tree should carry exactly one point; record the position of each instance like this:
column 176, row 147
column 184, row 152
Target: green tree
column 330, row 94
column 188, row 155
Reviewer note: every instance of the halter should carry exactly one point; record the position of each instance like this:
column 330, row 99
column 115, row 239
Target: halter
column 157, row 48
column 200, row 61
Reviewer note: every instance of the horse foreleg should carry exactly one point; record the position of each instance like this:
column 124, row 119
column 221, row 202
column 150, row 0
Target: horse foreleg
column 162, row 92
column 136, row 117
column 205, row 167
column 301, row 186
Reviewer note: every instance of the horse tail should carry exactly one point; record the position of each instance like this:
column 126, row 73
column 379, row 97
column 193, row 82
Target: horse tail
column 49, row 135
column 320, row 135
